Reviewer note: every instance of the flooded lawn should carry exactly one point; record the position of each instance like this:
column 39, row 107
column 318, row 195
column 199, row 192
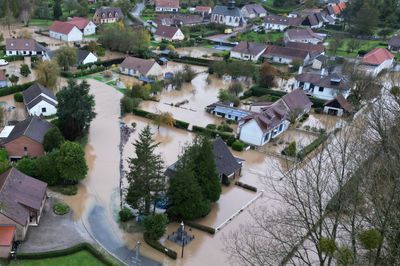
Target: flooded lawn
column 198, row 93
column 327, row 122
column 301, row 138
column 199, row 52
column 10, row 113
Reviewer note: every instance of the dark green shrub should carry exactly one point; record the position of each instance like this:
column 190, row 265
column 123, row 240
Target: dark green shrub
column 290, row 150
column 224, row 128
column 201, row 227
column 238, row 145
column 60, row 208
column 181, row 124
column 312, row 146
column 125, row 214
column 68, row 190
column 155, row 225
column 158, row 246
column 211, row 126
column 127, row 105
column 52, row 139
column 230, row 140
column 16, row 88
column 18, row 97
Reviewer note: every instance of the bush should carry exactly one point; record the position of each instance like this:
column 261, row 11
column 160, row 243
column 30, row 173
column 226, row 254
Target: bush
column 18, row 97
column 24, row 70
column 158, row 246
column 27, row 166
column 246, row 186
column 211, row 126
column 52, row 139
column 230, row 140
column 127, row 105
column 178, row 123
column 155, row 225
column 238, row 145
column 312, row 146
column 68, row 190
column 224, row 128
column 181, row 124
column 14, row 89
column 125, row 214
column 60, row 208
column 201, row 227
column 290, row 150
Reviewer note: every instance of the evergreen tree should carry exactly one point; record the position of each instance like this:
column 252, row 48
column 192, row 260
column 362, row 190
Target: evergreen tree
column 52, row 139
column 57, row 10
column 71, row 163
column 75, row 109
column 146, row 178
column 185, row 195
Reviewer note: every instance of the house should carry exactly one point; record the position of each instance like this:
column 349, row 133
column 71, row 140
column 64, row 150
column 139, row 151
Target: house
column 280, row 23
column 22, row 199
column 26, row 138
column 85, row 57
column 320, row 62
column 166, row 5
column 313, row 49
column 205, row 11
column 227, row 166
column 228, row 15
column 259, row 128
column 26, row 47
column 335, row 9
column 168, row 33
column 138, row 67
column 7, row 238
column 394, row 44
column 39, row 100
column 65, row 31
column 227, row 111
column 105, row 14
column 377, row 60
column 338, row 106
column 250, row 51
column 313, row 18
column 83, row 24
column 3, row 79
column 251, row 11
column 322, row 86
column 302, row 35
column 286, row 55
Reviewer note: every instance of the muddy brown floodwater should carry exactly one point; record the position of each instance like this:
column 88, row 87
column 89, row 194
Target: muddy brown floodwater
column 101, row 185
column 199, row 94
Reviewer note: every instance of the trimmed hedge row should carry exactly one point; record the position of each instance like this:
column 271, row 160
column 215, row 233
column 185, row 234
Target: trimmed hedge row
column 178, row 123
column 245, row 186
column 158, row 246
column 193, row 61
column 312, row 146
column 16, row 88
column 201, row 227
column 11, row 58
column 106, row 63
column 67, row 74
column 213, row 133
column 68, row 251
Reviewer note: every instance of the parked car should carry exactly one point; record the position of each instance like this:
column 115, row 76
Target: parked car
column 3, row 62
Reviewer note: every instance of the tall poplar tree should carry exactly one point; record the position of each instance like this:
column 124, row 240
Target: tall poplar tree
column 146, row 178
column 57, row 10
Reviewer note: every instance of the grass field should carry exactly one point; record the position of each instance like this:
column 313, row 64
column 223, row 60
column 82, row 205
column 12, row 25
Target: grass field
column 40, row 22
column 80, row 258
column 252, row 36
column 366, row 45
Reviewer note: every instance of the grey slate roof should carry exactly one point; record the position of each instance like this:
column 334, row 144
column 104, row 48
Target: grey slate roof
column 81, row 55
column 109, row 12
column 225, row 11
column 35, row 91
column 255, row 9
column 395, row 41
column 33, row 127
column 297, row 100
column 251, row 48
column 325, row 81
column 18, row 192
column 225, row 162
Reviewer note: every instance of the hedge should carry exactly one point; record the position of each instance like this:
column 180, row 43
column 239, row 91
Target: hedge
column 201, row 227
column 193, row 61
column 245, row 186
column 158, row 246
column 213, row 133
column 312, row 146
column 106, row 63
column 178, row 123
column 238, row 145
column 67, row 74
column 68, row 251
column 16, row 88
column 11, row 58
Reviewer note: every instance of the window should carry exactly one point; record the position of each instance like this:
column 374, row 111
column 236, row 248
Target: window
column 25, row 148
column 266, row 137
column 321, row 89
column 44, row 110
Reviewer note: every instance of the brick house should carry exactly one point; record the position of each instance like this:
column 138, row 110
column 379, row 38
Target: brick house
column 104, row 15
column 22, row 198
column 26, row 138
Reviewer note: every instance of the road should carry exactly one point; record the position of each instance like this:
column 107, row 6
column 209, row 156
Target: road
column 136, row 11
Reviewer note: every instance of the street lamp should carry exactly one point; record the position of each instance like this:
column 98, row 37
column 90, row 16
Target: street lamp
column 182, row 229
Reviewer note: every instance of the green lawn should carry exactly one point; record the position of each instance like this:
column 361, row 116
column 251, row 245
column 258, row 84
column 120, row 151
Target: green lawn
column 252, row 36
column 366, row 45
column 80, row 258
column 40, row 22
column 148, row 13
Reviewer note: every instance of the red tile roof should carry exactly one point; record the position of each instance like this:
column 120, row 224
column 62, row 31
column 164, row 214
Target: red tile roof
column 336, row 9
column 6, row 235
column 201, row 9
column 61, row 27
column 377, row 56
column 167, row 3
column 80, row 23
column 342, row 6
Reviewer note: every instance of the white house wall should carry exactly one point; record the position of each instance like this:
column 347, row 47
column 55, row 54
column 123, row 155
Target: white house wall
column 90, row 29
column 37, row 109
column 91, row 58
column 75, row 35
column 251, row 133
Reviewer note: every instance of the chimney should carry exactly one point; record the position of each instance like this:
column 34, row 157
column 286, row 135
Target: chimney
column 300, row 70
